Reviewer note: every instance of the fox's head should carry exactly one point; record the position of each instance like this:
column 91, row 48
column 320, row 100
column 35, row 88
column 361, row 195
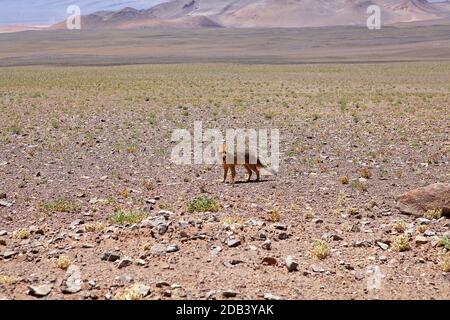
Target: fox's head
column 222, row 149
column 222, row 152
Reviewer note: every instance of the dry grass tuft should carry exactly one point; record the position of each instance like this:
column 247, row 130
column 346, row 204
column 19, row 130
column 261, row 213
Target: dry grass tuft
column 320, row 249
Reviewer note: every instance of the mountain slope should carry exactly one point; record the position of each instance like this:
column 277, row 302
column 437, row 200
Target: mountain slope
column 266, row 13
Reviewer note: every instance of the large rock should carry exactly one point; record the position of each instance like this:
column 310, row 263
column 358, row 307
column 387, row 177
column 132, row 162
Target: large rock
column 419, row 201
column 73, row 281
column 40, row 291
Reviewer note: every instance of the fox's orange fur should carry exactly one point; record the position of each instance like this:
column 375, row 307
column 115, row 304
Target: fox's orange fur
column 232, row 166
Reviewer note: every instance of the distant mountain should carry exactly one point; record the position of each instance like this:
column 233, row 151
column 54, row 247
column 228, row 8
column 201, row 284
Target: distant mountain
column 264, row 14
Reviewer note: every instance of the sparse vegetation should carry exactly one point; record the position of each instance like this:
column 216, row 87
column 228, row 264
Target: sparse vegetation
column 445, row 264
column 422, row 228
column 126, row 217
column 118, row 121
column 345, row 180
column 274, row 215
column 203, row 204
column 365, row 173
column 21, row 234
column 320, row 249
column 94, row 226
column 63, row 262
column 61, row 205
column 130, row 293
column 433, row 214
column 401, row 243
column 233, row 219
column 7, row 280
column 358, row 185
column 445, row 242
column 399, row 226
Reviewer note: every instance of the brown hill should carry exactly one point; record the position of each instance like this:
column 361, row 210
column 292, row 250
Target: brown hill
column 265, row 14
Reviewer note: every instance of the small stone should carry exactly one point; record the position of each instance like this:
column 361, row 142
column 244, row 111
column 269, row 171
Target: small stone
column 6, row 204
column 359, row 275
column 215, row 250
column 317, row 221
column 383, row 245
column 382, row 258
column 291, row 264
column 234, row 262
column 73, row 282
column 160, row 225
column 269, row 296
column 229, row 294
column 429, row 233
column 362, row 244
column 184, row 234
column 158, row 249
column 270, row 261
column 160, row 284
column 40, row 291
column 421, row 221
column 435, row 241
column 143, row 290
column 124, row 262
column 172, row 248
column 318, row 269
column 125, row 278
column 332, row 236
column 3, row 233
column 267, row 245
column 421, row 240
column 9, row 254
column 140, row 262
column 283, row 236
column 36, row 230
column 280, row 226
column 76, row 222
column 233, row 243
column 111, row 257
column 94, row 294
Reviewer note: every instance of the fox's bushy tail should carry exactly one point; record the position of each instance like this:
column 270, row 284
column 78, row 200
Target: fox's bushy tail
column 269, row 169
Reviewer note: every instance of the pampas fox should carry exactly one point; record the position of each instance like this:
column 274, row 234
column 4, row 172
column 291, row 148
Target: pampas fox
column 222, row 150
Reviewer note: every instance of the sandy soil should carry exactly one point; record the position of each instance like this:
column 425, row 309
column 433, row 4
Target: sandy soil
column 95, row 142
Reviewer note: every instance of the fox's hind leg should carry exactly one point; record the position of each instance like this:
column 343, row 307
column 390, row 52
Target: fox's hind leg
column 250, row 172
column 225, row 173
column 258, row 176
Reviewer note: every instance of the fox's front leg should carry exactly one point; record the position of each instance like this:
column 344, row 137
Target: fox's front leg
column 233, row 174
column 225, row 173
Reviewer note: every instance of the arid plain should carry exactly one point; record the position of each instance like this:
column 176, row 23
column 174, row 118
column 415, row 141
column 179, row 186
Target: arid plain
column 93, row 208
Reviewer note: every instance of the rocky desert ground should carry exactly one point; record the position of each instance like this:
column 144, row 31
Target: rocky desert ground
column 92, row 208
